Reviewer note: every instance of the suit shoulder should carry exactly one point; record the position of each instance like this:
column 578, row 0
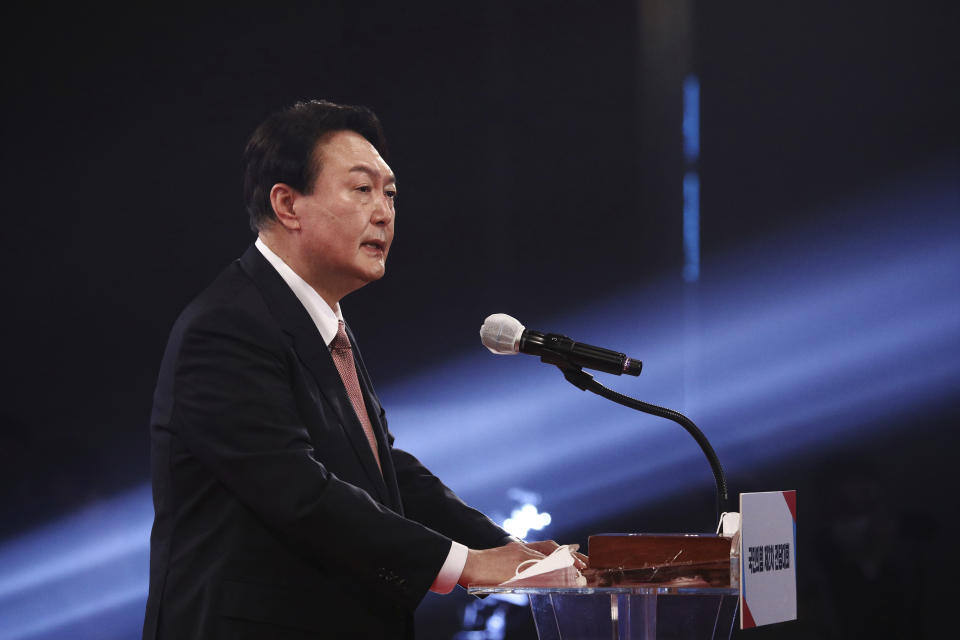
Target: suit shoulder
column 229, row 316
column 231, row 308
column 232, row 301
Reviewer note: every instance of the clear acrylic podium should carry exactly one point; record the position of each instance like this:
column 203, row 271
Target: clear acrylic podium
column 629, row 612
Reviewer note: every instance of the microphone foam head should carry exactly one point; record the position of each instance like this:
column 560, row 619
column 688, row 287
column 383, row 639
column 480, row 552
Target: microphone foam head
column 501, row 333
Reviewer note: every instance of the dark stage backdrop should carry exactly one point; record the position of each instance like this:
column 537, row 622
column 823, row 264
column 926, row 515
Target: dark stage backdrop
column 540, row 161
column 123, row 133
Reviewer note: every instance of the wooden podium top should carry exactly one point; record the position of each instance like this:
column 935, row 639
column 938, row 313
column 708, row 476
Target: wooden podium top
column 695, row 560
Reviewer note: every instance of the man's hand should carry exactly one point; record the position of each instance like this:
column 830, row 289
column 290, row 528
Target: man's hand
column 493, row 566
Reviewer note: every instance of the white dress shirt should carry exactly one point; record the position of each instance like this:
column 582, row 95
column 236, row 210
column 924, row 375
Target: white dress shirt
column 327, row 321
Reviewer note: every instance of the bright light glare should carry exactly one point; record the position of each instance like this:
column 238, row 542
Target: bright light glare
column 525, row 519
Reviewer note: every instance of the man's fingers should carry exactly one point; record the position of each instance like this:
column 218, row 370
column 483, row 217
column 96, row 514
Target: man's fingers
column 545, row 547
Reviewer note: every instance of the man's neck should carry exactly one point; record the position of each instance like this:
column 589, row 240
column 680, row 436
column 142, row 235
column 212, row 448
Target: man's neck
column 290, row 257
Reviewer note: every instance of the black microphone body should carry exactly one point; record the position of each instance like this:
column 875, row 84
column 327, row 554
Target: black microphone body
column 504, row 335
column 559, row 350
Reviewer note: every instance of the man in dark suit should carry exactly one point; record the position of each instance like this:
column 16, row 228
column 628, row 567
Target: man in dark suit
column 282, row 508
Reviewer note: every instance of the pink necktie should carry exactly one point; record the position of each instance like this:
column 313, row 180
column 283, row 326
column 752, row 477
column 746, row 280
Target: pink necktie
column 342, row 354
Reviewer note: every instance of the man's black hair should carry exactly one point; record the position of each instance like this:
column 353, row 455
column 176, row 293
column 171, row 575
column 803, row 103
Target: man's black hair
column 282, row 150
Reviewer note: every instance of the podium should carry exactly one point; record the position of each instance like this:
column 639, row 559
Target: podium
column 640, row 587
column 629, row 613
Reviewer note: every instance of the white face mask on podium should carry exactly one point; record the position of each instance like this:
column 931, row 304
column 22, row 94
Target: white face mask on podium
column 556, row 570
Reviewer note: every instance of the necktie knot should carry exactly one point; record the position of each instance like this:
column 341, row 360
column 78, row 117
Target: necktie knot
column 340, row 341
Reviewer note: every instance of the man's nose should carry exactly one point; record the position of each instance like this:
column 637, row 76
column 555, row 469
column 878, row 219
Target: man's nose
column 383, row 210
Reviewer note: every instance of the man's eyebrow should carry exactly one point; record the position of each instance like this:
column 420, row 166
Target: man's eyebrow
column 373, row 173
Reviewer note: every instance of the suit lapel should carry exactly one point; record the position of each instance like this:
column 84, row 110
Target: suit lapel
column 379, row 427
column 314, row 354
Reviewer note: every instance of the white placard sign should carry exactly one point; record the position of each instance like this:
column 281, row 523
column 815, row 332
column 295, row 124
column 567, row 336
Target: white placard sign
column 768, row 558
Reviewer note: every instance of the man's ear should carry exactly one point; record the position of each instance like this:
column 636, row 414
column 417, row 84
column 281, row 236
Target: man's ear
column 282, row 197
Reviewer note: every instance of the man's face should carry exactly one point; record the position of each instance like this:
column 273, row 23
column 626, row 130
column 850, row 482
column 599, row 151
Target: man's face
column 347, row 220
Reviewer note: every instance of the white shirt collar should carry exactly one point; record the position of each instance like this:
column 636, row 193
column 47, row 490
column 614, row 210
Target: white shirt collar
column 326, row 319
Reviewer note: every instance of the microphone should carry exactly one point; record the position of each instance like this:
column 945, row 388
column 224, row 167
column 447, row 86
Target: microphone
column 504, row 335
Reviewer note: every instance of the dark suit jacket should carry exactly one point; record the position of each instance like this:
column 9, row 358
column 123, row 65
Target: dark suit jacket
column 272, row 519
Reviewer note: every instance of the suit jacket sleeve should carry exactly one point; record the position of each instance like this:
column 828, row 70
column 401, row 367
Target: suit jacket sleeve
column 426, row 499
column 235, row 409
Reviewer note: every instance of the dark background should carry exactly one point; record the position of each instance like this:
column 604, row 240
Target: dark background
column 539, row 159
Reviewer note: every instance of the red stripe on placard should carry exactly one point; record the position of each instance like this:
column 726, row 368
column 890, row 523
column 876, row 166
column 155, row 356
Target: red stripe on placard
column 791, row 498
column 747, row 621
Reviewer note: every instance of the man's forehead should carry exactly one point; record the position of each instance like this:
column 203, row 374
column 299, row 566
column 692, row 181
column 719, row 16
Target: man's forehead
column 351, row 152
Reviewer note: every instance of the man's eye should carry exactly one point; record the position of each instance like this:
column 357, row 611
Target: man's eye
column 364, row 188
column 391, row 194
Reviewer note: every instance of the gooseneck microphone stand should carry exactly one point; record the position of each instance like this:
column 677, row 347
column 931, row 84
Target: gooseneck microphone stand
column 585, row 382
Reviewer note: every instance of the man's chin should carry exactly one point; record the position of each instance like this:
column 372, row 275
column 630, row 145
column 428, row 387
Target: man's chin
column 371, row 274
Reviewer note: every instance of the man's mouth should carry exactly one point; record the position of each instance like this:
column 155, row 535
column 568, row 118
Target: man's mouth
column 376, row 245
